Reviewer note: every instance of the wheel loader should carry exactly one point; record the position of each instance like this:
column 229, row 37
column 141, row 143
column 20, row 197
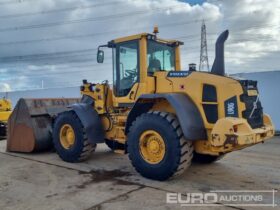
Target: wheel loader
column 5, row 112
column 163, row 117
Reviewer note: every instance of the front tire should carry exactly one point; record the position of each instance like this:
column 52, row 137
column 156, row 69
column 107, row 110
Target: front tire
column 69, row 138
column 157, row 147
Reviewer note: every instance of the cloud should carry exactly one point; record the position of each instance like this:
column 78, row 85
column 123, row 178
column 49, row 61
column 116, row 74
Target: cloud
column 253, row 44
column 4, row 87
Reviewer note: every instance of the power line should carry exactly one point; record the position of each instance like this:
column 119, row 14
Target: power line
column 33, row 76
column 73, row 53
column 27, row 65
column 56, row 68
column 96, row 34
column 45, row 12
column 56, row 55
column 99, row 18
column 38, row 56
column 117, row 31
column 55, row 74
column 44, row 63
column 84, row 53
column 59, row 72
column 15, row 2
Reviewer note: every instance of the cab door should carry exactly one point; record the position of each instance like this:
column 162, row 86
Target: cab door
column 126, row 68
column 126, row 72
column 130, row 79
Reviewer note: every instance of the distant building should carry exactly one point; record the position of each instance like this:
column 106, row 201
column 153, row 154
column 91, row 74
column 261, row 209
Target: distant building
column 68, row 92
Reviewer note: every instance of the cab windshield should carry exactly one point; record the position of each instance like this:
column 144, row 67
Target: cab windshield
column 160, row 57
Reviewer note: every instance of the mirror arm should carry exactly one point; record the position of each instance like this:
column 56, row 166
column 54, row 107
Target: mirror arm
column 100, row 46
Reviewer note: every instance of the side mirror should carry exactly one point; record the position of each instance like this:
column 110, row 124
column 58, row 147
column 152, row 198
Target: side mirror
column 100, row 56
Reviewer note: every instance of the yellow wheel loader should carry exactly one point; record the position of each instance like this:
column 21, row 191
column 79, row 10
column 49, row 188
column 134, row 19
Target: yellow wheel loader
column 162, row 116
column 5, row 112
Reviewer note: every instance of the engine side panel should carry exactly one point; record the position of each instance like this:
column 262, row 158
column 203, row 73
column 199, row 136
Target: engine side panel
column 193, row 85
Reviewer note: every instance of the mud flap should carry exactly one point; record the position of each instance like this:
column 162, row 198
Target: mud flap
column 188, row 114
column 91, row 122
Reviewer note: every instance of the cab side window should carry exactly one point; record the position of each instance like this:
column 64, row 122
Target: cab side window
column 160, row 57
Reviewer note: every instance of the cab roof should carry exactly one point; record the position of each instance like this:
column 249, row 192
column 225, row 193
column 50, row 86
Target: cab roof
column 139, row 36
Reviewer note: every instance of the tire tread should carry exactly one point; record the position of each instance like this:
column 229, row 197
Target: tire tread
column 185, row 148
column 88, row 148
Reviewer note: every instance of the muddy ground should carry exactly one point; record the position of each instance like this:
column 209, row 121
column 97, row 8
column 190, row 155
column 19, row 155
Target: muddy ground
column 108, row 181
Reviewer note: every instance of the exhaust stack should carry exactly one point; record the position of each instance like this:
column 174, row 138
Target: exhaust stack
column 218, row 67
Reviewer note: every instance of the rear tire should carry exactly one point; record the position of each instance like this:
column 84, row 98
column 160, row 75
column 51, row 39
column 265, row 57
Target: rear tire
column 79, row 149
column 178, row 152
column 205, row 159
column 3, row 130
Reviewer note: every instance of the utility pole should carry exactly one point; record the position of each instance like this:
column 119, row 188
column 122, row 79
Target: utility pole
column 204, row 64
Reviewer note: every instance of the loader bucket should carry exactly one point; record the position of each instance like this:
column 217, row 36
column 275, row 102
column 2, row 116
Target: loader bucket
column 30, row 124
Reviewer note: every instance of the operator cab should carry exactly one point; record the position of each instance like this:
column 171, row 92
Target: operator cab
column 137, row 57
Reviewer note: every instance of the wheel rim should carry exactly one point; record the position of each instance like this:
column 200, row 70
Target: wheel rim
column 67, row 136
column 152, row 147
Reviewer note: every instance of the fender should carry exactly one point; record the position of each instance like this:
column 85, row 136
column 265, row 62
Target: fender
column 187, row 113
column 90, row 120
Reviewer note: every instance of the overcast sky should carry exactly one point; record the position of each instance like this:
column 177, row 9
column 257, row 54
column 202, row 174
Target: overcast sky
column 52, row 42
